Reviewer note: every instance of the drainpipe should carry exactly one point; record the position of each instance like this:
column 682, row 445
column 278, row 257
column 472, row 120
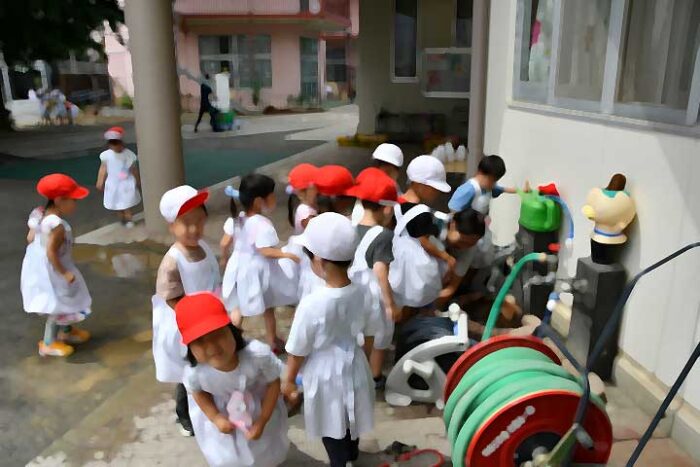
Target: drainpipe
column 477, row 100
column 156, row 104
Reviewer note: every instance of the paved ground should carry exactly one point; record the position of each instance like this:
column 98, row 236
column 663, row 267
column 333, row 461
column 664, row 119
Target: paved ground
column 102, row 406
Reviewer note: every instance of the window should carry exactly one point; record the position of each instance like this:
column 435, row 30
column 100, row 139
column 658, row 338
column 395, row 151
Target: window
column 405, row 41
column 336, row 69
column 633, row 58
column 246, row 57
column 463, row 23
column 309, row 68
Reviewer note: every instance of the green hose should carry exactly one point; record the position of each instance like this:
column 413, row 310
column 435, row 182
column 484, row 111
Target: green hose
column 496, row 307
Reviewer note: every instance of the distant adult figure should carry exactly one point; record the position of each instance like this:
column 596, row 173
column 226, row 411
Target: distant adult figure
column 204, row 105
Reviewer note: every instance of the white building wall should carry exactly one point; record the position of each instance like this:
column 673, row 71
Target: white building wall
column 662, row 319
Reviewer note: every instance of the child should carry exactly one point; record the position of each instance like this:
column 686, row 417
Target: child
column 465, row 229
column 427, row 179
column 227, row 239
column 332, row 183
column 388, row 158
column 254, row 283
column 50, row 282
column 377, row 193
column 326, row 338
column 189, row 266
column 236, row 408
column 415, row 275
column 301, row 186
column 118, row 176
column 477, row 192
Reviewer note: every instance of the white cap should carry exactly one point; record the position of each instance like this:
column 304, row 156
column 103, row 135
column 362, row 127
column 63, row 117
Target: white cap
column 389, row 153
column 179, row 201
column 428, row 170
column 329, row 236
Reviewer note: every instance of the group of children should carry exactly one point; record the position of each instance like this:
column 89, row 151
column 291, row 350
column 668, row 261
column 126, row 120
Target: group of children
column 363, row 257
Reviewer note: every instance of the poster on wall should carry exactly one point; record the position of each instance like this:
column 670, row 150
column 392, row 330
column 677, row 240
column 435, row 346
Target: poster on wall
column 446, row 72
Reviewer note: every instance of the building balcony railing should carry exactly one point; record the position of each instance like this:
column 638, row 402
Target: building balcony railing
column 310, row 8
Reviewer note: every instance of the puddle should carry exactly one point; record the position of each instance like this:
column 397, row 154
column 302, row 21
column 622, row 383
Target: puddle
column 127, row 261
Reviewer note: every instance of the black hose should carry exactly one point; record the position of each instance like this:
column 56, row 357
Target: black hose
column 664, row 405
column 609, row 330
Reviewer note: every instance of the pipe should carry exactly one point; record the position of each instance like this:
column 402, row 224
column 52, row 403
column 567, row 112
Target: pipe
column 567, row 214
column 496, row 307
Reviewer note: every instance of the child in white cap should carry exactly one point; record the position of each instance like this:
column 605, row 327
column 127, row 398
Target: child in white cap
column 388, row 158
column 427, row 179
column 325, row 343
column 118, row 176
column 254, row 282
column 188, row 267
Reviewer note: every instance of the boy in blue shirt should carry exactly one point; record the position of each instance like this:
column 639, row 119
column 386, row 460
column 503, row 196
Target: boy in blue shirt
column 477, row 192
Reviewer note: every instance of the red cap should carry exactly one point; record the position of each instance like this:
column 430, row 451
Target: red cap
column 199, row 314
column 302, row 176
column 114, row 133
column 333, row 180
column 60, row 186
column 375, row 186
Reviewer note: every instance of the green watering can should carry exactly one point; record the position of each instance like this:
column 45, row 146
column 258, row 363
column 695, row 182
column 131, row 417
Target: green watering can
column 538, row 213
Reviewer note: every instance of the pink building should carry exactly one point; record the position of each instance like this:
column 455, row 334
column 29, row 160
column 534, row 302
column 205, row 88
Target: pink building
column 278, row 46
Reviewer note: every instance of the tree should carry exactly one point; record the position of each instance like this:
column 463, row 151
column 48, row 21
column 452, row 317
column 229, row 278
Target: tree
column 52, row 29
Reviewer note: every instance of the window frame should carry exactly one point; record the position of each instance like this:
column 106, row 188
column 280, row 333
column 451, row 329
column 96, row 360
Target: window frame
column 392, row 48
column 235, row 57
column 455, row 7
column 543, row 94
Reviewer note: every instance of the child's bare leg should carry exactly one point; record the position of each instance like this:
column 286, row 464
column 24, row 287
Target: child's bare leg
column 127, row 215
column 376, row 362
column 271, row 327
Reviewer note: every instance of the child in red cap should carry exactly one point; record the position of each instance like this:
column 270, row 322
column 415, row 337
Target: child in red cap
column 254, row 281
column 377, row 193
column 118, row 176
column 332, row 183
column 188, row 267
column 301, row 186
column 51, row 283
column 234, row 386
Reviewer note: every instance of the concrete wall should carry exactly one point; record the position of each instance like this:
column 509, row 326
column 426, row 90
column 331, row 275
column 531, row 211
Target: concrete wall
column 662, row 319
column 375, row 89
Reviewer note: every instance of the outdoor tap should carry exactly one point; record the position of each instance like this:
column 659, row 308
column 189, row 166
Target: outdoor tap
column 580, row 285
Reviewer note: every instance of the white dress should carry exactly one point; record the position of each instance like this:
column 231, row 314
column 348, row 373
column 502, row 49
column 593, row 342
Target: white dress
column 44, row 290
column 415, row 276
column 360, row 273
column 121, row 191
column 328, row 329
column 252, row 282
column 257, row 367
column 168, row 351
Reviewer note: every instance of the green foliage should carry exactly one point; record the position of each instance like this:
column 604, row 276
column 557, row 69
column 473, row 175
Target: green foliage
column 126, row 102
column 51, row 29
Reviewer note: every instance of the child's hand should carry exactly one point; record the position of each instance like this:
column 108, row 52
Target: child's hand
column 526, row 187
column 293, row 257
column 100, row 186
column 69, row 277
column 255, row 431
column 451, row 263
column 290, row 392
column 223, row 424
column 394, row 313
